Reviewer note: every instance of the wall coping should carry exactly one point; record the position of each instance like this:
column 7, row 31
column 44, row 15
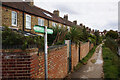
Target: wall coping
column 55, row 47
column 18, row 50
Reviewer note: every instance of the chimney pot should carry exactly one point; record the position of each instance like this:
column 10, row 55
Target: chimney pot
column 30, row 2
column 56, row 12
column 75, row 22
column 66, row 17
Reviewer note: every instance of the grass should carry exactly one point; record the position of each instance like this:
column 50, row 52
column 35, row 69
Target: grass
column 111, row 66
column 89, row 55
column 84, row 60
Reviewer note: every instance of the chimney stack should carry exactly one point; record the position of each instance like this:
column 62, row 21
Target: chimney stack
column 56, row 12
column 30, row 2
column 66, row 17
column 81, row 25
column 75, row 22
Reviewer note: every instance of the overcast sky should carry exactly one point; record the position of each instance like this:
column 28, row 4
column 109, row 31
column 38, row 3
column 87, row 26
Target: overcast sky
column 96, row 14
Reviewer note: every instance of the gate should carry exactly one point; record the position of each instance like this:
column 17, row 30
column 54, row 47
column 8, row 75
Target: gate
column 69, row 58
column 68, row 42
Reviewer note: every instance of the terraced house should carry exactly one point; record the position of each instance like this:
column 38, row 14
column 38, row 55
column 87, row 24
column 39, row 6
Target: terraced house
column 24, row 16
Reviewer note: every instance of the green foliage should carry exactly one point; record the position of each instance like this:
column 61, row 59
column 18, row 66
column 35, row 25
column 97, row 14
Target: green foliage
column 85, row 35
column 58, row 35
column 11, row 38
column 111, row 65
column 111, row 43
column 98, row 38
column 92, row 39
column 75, row 34
column 112, row 34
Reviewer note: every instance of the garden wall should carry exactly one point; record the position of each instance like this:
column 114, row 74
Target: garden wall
column 57, row 63
column 16, row 63
column 84, row 50
column 74, row 55
column 29, row 63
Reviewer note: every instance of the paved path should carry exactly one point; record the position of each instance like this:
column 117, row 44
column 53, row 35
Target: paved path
column 93, row 69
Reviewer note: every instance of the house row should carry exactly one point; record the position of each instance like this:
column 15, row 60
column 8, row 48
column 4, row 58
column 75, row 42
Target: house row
column 25, row 15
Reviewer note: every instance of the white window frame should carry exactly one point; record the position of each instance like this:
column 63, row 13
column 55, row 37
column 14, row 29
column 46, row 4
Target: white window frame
column 28, row 21
column 40, row 22
column 64, row 26
column 14, row 18
column 53, row 24
column 68, row 28
column 59, row 26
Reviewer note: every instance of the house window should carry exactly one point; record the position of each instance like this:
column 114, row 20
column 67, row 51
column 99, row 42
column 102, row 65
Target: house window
column 54, row 24
column 68, row 28
column 40, row 22
column 14, row 18
column 59, row 26
column 28, row 21
column 64, row 26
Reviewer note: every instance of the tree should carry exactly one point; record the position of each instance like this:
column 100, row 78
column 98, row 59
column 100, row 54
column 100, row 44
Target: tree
column 112, row 34
column 97, row 37
column 85, row 35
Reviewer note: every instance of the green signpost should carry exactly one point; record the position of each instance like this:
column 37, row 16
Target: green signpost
column 45, row 30
column 41, row 29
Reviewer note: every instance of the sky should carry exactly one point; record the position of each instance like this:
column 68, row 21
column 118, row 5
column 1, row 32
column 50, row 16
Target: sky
column 95, row 14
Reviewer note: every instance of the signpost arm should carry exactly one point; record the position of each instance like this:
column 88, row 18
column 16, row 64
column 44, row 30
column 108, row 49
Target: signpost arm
column 45, row 41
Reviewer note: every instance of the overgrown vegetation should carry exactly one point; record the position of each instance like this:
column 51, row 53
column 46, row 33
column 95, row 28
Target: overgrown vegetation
column 60, row 34
column 112, row 44
column 111, row 65
column 76, row 34
column 112, row 34
column 11, row 38
column 98, row 38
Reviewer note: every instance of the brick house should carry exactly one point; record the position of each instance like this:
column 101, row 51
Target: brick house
column 24, row 15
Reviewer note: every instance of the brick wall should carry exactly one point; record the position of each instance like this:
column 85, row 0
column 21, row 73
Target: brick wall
column 91, row 46
column 16, row 63
column 74, row 55
column 84, row 49
column 57, row 63
column 30, row 64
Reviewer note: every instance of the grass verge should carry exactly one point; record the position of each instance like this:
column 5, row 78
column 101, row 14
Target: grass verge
column 85, row 59
column 111, row 66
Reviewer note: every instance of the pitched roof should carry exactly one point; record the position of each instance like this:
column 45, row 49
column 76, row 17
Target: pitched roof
column 23, row 6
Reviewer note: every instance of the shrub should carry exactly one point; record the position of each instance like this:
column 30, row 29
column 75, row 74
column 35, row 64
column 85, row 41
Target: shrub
column 111, row 64
column 112, row 44
column 11, row 38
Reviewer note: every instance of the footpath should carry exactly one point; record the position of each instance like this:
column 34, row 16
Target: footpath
column 93, row 68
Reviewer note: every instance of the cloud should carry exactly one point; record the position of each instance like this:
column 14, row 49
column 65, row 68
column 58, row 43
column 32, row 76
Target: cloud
column 66, row 9
column 96, row 14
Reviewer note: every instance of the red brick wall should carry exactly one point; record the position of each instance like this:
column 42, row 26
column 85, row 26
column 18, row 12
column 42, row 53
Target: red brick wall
column 16, row 63
column 57, row 63
column 84, row 49
column 30, row 64
column 74, row 55
column 91, row 46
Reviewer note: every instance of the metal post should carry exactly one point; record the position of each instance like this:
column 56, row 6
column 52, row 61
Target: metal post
column 45, row 41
